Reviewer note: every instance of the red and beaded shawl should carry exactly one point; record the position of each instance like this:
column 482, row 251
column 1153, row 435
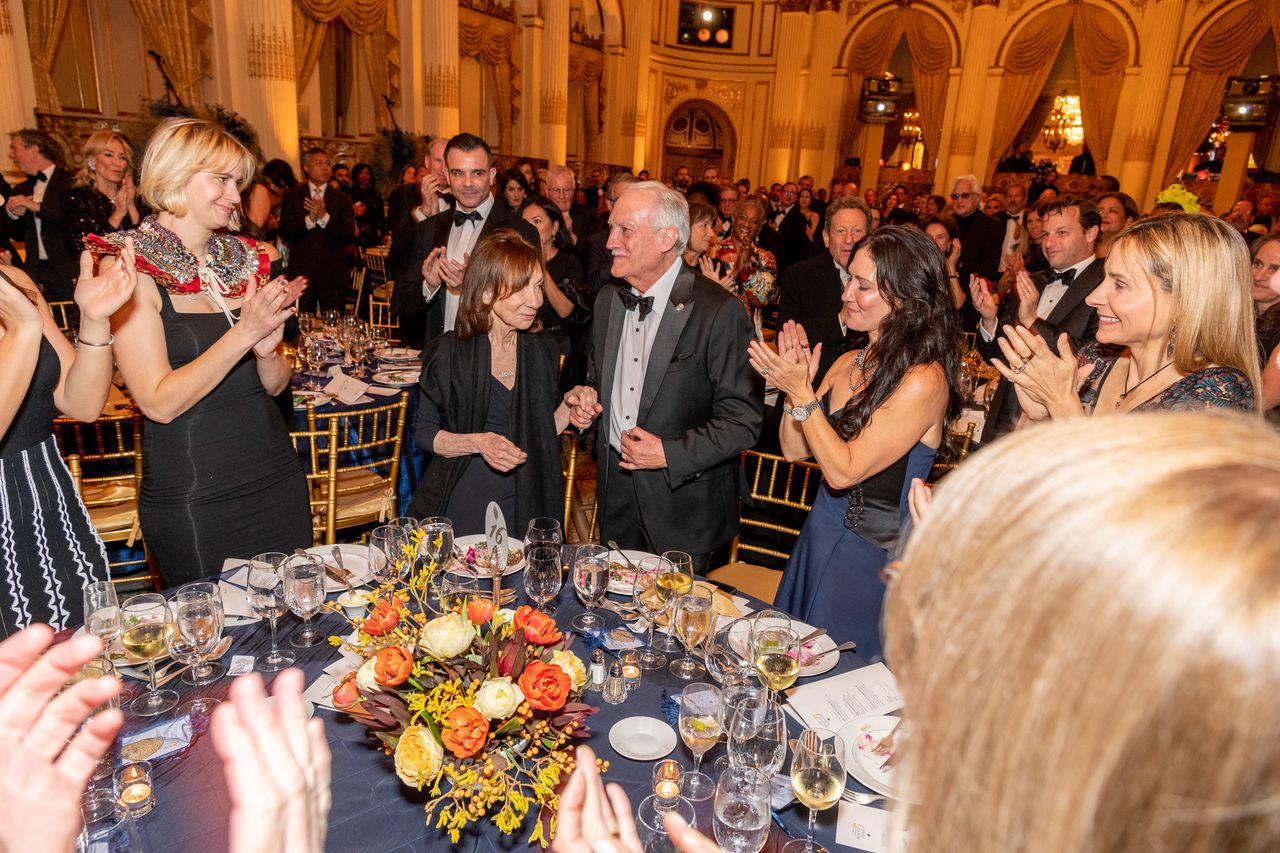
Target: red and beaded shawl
column 161, row 254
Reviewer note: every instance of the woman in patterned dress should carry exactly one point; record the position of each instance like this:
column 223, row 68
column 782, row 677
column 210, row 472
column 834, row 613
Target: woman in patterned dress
column 748, row 271
column 48, row 547
column 1175, row 330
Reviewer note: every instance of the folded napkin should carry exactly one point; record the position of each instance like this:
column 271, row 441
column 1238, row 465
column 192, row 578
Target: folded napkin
column 382, row 391
column 157, row 741
column 235, row 596
column 346, row 388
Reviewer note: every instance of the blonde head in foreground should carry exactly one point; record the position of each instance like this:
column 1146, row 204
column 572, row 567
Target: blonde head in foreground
column 1086, row 630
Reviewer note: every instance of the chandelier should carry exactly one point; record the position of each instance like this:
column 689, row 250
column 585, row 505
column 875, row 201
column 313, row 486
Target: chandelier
column 909, row 133
column 1063, row 126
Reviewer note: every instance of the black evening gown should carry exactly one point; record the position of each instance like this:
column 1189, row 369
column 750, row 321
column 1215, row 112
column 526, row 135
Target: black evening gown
column 222, row 479
column 479, row 484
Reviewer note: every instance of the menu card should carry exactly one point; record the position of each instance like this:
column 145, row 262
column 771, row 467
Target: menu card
column 832, row 702
column 863, row 827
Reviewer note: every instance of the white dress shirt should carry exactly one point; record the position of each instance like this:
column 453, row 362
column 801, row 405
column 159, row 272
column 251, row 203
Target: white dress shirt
column 1053, row 293
column 37, row 195
column 441, row 207
column 462, row 240
column 633, row 356
column 317, row 193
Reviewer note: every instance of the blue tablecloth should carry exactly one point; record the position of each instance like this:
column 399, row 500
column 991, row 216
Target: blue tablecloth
column 372, row 810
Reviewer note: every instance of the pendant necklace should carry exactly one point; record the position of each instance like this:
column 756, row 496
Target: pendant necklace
column 1127, row 390
column 856, row 364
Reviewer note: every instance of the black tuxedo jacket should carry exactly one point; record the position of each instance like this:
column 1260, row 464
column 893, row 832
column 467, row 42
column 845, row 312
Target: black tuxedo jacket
column 400, row 204
column 584, row 225
column 422, row 320
column 65, row 262
column 700, row 397
column 795, row 242
column 319, row 253
column 1070, row 315
column 597, row 262
column 980, row 249
column 810, row 293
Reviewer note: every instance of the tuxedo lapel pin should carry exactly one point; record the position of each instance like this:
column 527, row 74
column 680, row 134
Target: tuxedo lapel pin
column 680, row 306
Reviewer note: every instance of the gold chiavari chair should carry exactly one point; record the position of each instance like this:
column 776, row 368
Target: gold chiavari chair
column 321, row 468
column 356, row 291
column 578, row 467
column 66, row 314
column 778, row 489
column 960, row 443
column 105, row 460
column 380, row 317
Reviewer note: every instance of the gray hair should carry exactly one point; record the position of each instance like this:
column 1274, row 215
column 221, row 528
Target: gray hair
column 669, row 210
column 972, row 180
column 847, row 202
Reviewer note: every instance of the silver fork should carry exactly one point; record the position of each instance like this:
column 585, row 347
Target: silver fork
column 861, row 798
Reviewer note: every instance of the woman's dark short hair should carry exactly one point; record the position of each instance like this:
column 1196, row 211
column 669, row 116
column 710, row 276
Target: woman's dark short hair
column 700, row 211
column 363, row 167
column 280, row 173
column 953, row 230
column 501, row 264
column 1126, row 201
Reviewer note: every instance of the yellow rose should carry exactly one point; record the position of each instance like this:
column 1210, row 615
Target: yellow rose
column 447, row 636
column 498, row 698
column 572, row 666
column 418, row 757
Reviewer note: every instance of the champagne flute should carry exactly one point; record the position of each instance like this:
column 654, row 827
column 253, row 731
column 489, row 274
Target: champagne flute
column 741, row 810
column 102, row 613
column 776, row 655
column 304, row 593
column 817, row 777
column 147, row 625
column 692, row 622
column 591, row 580
column 701, row 711
column 266, row 597
column 198, row 622
column 649, row 600
column 205, row 671
column 542, row 576
column 678, row 580
column 758, row 737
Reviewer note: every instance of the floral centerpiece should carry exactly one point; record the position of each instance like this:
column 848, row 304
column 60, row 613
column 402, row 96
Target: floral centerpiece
column 475, row 704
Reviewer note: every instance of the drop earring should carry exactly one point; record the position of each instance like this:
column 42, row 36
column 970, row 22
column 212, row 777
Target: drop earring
column 92, row 168
column 1173, row 339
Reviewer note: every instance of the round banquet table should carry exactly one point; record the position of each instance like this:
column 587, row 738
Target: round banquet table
column 372, row 810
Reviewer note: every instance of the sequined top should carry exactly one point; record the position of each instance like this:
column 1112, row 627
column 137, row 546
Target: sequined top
column 162, row 255
column 86, row 210
column 756, row 282
column 1211, row 388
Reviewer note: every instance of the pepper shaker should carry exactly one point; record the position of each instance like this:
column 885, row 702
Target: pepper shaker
column 615, row 686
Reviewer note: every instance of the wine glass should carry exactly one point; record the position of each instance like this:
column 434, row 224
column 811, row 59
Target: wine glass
column 776, row 655
column 701, row 712
column 651, row 821
column 544, row 530
column 817, row 777
column 205, row 671
column 387, row 557
column 304, row 593
column 102, row 613
column 198, row 622
column 542, row 576
column 147, row 625
column 437, row 539
column 313, row 356
column 692, row 621
column 726, row 653
column 266, row 597
column 679, row 580
column 758, row 737
column 766, row 618
column 741, row 811
column 651, row 603
column 331, row 321
column 591, row 580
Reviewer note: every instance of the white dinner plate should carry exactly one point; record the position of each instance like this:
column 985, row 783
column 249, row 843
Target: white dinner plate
column 622, row 580
column 642, row 738
column 396, row 378
column 860, row 737
column 824, row 643
column 355, row 559
column 398, row 354
column 462, row 543
column 306, row 395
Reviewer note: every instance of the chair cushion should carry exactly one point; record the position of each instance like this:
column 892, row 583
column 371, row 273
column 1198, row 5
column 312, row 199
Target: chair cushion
column 360, row 494
column 757, row 581
column 115, row 518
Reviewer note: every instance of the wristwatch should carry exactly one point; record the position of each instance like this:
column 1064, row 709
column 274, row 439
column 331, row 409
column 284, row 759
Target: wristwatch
column 801, row 413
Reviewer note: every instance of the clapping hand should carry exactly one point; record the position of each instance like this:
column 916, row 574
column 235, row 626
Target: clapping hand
column 793, row 367
column 1044, row 381
column 266, row 309
column 451, row 273
column 1028, row 298
column 593, row 817
column 100, row 296
column 708, row 267
column 983, row 302
column 429, row 187
column 315, row 208
column 918, row 499
column 17, row 311
column 19, row 204
column 584, row 405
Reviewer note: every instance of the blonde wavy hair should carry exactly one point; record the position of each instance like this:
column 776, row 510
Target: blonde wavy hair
column 96, row 144
column 181, row 147
column 1086, row 630
column 1204, row 265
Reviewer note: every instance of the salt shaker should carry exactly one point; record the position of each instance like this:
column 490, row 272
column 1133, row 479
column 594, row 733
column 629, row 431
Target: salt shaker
column 596, row 682
column 615, row 686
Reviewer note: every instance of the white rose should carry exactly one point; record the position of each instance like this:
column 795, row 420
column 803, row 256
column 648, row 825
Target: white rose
column 505, row 616
column 498, row 698
column 572, row 667
column 447, row 636
column 365, row 678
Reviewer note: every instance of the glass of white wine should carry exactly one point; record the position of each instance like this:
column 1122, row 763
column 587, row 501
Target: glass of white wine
column 147, row 625
column 266, row 597
column 102, row 613
column 701, row 713
column 776, row 655
column 652, row 601
column 817, row 777
column 677, row 582
column 304, row 593
column 590, row 568
column 741, row 810
column 692, row 623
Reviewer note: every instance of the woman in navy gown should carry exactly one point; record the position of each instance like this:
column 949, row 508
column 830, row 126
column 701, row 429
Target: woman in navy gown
column 874, row 423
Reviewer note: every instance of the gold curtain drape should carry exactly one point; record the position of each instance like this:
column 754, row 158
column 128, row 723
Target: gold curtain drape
column 587, row 66
column 1221, row 53
column 1027, row 65
column 179, row 30
column 495, row 42
column 45, row 20
column 868, row 56
column 373, row 21
column 1102, row 52
column 930, row 65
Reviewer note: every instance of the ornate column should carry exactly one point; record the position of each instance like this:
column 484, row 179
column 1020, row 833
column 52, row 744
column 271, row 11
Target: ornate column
column 785, row 128
column 627, row 114
column 819, row 129
column 439, row 60
column 17, row 108
column 553, row 111
column 1147, row 103
column 528, row 141
column 270, row 93
column 978, row 91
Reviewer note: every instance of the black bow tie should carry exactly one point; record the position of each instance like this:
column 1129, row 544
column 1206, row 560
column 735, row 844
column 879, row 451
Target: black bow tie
column 40, row 176
column 460, row 218
column 630, row 301
column 1065, row 276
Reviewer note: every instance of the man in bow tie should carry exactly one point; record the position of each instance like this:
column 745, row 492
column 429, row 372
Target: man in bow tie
column 679, row 400
column 34, row 211
column 319, row 224
column 1048, row 303
column 429, row 281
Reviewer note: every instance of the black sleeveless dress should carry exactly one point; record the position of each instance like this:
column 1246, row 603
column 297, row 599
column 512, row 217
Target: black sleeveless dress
column 221, row 479
column 48, row 547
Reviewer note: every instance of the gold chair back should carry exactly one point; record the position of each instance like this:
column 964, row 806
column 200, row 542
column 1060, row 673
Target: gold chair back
column 773, row 481
column 66, row 314
column 380, row 317
column 375, row 261
column 368, row 445
column 960, row 443
column 321, row 469
column 356, row 291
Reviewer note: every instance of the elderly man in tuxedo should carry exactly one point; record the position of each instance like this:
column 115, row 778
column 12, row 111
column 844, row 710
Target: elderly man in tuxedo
column 430, row 278
column 318, row 223
column 680, row 402
column 579, row 219
column 34, row 209
column 1048, row 303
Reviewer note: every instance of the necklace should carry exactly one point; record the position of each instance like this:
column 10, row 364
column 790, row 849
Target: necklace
column 1127, row 390
column 856, row 364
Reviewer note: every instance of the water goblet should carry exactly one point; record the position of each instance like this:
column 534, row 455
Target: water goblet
column 102, row 613
column 388, row 559
column 437, row 539
column 542, row 576
column 205, row 671
column 692, row 621
column 651, row 821
column 590, row 569
column 304, row 592
column 266, row 598
column 741, row 811
column 543, row 530
column 198, row 622
column 758, row 737
column 148, row 621
column 701, row 712
column 817, row 777
column 727, row 651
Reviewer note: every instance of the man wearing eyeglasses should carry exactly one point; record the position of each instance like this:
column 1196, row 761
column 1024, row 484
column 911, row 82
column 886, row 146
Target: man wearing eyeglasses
column 981, row 237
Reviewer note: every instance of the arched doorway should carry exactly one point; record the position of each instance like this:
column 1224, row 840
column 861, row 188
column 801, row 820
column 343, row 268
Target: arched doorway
column 698, row 134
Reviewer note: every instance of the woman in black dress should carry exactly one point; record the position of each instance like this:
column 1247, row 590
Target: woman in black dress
column 198, row 346
column 564, row 273
column 104, row 198
column 260, row 201
column 487, row 409
column 370, row 212
column 48, row 546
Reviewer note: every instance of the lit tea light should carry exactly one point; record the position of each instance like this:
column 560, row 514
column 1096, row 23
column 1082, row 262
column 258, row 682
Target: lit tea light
column 133, row 788
column 630, row 668
column 134, row 794
column 666, row 779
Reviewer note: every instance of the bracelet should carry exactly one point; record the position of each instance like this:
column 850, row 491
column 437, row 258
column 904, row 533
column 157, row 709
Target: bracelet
column 111, row 339
column 953, row 275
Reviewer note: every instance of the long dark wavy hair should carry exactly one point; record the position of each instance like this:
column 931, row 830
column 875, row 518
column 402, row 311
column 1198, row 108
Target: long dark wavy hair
column 922, row 326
